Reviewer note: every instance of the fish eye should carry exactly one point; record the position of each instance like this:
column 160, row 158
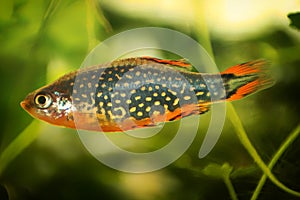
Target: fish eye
column 42, row 100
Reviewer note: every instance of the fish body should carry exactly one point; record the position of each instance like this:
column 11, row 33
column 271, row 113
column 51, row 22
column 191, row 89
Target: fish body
column 139, row 92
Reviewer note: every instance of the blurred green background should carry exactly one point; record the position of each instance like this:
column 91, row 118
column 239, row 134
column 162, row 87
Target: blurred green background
column 41, row 40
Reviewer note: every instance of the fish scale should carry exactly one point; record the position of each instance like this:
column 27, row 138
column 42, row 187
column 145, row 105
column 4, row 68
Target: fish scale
column 139, row 92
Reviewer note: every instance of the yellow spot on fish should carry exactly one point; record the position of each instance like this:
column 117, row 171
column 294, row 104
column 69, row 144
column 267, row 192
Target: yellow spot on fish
column 128, row 76
column 192, row 89
column 183, row 88
column 143, row 88
column 137, row 97
column 157, row 103
column 128, row 101
column 133, row 109
column 163, row 94
column 175, row 86
column 172, row 92
column 200, row 93
column 187, row 97
column 175, row 102
column 102, row 110
column 110, row 113
column 148, row 99
column 118, row 77
column 139, row 114
column 141, row 105
column 156, row 112
column 150, row 81
column 148, row 109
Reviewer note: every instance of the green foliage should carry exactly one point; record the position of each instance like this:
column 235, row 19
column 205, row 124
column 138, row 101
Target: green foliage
column 24, row 139
column 40, row 40
column 241, row 133
column 295, row 20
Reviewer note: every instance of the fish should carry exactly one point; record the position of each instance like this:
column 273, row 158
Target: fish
column 139, row 92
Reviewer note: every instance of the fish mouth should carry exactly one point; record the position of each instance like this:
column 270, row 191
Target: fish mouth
column 25, row 105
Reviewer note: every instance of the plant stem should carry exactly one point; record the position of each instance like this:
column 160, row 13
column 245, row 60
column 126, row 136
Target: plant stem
column 228, row 183
column 290, row 139
column 201, row 28
column 241, row 133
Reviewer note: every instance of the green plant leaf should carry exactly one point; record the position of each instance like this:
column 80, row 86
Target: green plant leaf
column 217, row 171
column 221, row 172
column 245, row 171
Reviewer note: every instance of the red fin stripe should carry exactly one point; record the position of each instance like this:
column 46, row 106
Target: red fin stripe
column 251, row 67
column 256, row 68
column 245, row 90
column 179, row 63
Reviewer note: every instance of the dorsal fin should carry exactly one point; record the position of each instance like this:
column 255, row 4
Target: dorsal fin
column 182, row 64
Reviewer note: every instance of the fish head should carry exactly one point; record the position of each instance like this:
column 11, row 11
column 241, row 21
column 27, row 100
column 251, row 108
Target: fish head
column 52, row 104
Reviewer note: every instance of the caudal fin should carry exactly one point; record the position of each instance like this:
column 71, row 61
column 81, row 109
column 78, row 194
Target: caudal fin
column 245, row 79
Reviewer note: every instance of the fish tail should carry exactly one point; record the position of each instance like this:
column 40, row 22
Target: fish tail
column 245, row 79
